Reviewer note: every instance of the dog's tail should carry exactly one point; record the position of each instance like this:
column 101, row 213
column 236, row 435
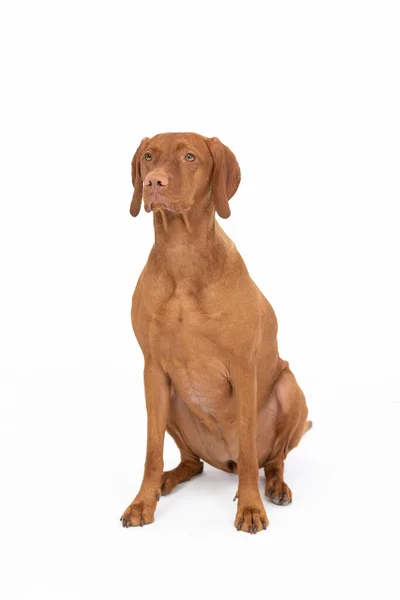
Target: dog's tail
column 307, row 426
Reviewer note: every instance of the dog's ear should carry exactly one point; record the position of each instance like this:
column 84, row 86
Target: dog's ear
column 137, row 180
column 225, row 177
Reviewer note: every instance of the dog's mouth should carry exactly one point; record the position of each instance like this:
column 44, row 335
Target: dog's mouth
column 158, row 201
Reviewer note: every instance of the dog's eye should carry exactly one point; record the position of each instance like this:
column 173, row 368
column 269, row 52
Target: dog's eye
column 190, row 157
column 148, row 156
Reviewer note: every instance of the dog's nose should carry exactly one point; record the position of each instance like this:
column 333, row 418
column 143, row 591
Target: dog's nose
column 156, row 180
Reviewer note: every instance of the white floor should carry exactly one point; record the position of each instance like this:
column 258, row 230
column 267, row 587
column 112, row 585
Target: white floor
column 72, row 446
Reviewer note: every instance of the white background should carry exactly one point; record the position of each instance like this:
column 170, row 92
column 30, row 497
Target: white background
column 307, row 96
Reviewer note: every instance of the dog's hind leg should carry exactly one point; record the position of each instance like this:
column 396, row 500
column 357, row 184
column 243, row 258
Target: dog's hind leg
column 291, row 426
column 275, row 488
column 189, row 466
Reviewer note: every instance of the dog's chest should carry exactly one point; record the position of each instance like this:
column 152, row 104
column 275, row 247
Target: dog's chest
column 184, row 327
column 187, row 335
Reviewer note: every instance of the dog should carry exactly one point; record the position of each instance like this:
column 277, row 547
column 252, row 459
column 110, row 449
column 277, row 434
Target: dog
column 213, row 377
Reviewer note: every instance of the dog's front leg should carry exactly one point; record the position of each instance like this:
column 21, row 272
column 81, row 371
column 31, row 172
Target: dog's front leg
column 251, row 516
column 157, row 391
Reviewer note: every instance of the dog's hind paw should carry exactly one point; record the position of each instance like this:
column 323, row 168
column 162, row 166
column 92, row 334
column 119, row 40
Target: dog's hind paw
column 278, row 492
column 183, row 472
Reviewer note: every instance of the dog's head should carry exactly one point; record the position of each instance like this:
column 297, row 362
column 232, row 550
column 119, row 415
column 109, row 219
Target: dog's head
column 173, row 171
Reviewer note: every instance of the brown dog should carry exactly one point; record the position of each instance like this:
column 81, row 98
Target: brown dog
column 213, row 377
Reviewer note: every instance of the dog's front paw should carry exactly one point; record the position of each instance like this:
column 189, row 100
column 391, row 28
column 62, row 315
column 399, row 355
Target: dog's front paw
column 251, row 517
column 141, row 511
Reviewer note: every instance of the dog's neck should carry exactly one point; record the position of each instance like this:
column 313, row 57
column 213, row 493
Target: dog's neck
column 190, row 248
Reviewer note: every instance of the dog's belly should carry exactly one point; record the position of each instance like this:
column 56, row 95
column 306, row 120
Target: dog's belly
column 203, row 413
column 206, row 423
column 203, row 416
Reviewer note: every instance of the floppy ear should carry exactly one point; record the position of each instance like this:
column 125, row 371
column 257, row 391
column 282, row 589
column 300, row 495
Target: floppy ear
column 225, row 178
column 137, row 180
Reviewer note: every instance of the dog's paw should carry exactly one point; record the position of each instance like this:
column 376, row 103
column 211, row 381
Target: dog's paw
column 183, row 472
column 169, row 482
column 141, row 511
column 278, row 492
column 251, row 518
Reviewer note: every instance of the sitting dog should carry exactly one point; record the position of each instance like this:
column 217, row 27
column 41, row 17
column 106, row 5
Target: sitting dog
column 213, row 377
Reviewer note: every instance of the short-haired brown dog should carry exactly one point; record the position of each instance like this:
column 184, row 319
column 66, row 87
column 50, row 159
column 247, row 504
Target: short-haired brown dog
column 213, row 377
